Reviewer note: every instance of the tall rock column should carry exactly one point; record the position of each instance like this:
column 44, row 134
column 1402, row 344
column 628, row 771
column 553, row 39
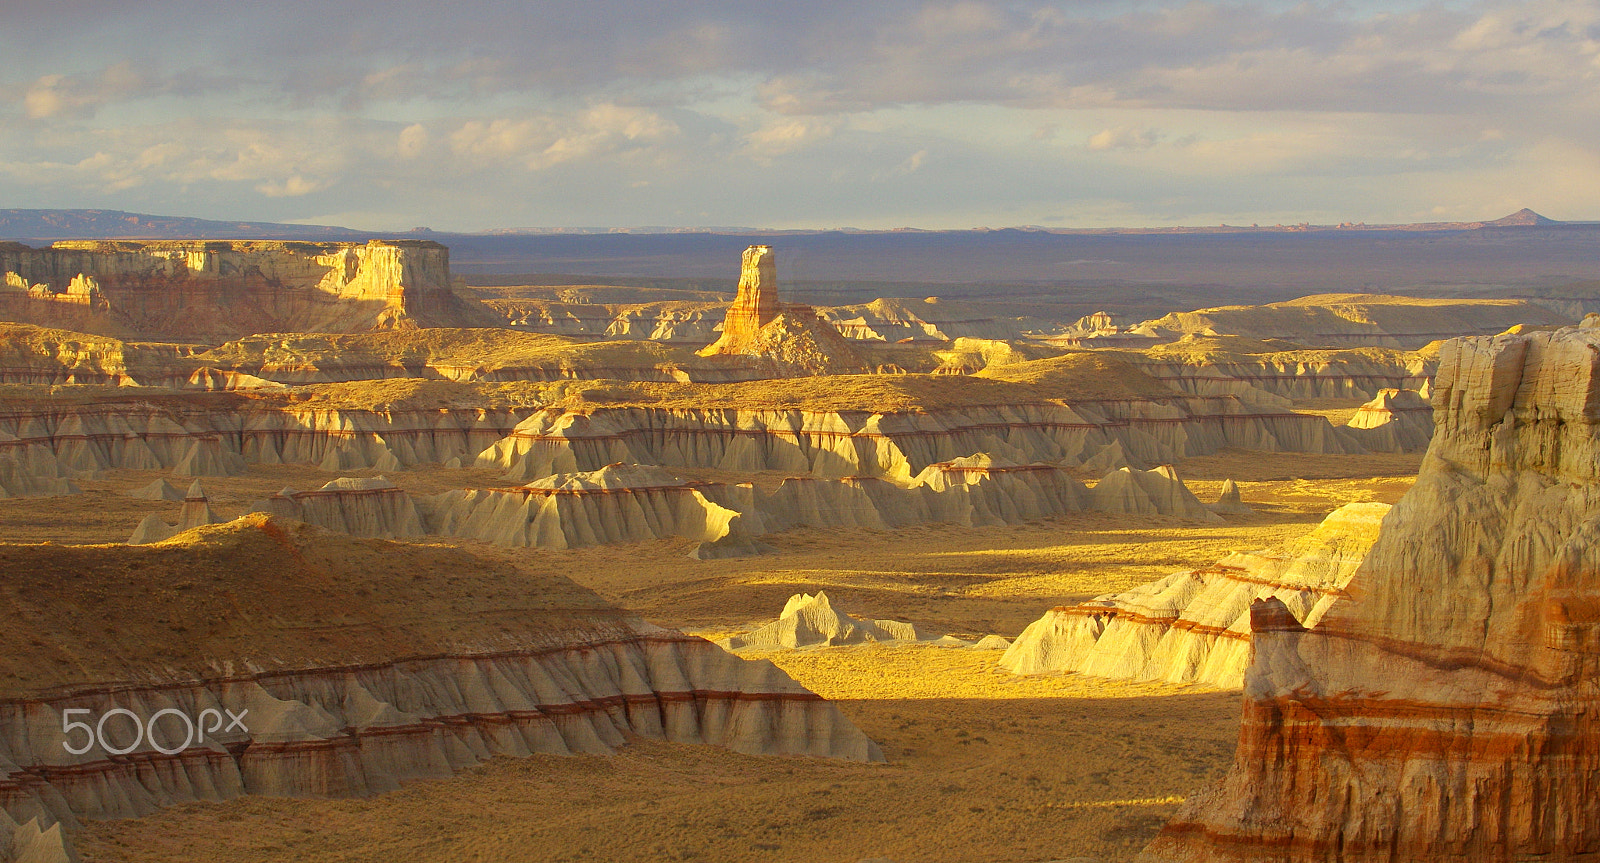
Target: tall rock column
column 755, row 306
column 1449, row 709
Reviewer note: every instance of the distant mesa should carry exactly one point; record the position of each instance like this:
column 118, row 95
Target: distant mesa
column 212, row 290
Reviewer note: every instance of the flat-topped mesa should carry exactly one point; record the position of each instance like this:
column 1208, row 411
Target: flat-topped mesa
column 208, row 290
column 1447, row 709
column 790, row 337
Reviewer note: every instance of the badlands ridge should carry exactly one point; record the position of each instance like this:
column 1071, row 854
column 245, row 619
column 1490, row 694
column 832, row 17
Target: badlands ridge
column 410, row 526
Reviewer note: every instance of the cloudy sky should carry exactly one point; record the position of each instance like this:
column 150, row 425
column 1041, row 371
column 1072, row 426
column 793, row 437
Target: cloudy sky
column 480, row 114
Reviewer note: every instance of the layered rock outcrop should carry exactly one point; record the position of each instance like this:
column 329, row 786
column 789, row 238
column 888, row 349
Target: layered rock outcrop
column 211, row 290
column 1394, row 421
column 1446, row 710
column 900, row 444
column 350, row 674
column 1270, row 372
column 1194, row 627
column 215, row 434
column 360, row 507
column 631, row 503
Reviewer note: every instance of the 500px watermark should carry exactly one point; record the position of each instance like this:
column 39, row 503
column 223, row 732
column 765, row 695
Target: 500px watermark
column 195, row 728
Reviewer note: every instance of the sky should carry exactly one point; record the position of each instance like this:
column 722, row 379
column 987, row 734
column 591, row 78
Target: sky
column 484, row 114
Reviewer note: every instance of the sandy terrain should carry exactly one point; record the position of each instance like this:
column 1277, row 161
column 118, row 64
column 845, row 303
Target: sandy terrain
column 1000, row 768
column 983, row 765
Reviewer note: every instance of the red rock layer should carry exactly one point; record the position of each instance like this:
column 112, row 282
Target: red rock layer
column 1450, row 709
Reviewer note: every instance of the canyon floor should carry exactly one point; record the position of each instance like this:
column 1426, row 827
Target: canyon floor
column 982, row 765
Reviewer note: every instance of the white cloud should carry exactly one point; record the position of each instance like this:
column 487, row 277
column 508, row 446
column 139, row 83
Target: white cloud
column 1123, row 138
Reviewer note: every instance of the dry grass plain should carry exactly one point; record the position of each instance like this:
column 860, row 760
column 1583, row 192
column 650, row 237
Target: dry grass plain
column 983, row 765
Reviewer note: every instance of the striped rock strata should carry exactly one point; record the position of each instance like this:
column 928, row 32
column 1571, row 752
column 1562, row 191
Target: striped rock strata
column 1448, row 709
column 218, row 434
column 1247, row 368
column 1194, row 627
column 631, row 503
column 900, row 444
column 348, row 684
column 360, row 507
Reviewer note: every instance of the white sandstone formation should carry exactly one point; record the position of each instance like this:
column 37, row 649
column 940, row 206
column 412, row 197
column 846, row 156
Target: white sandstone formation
column 812, row 621
column 1194, row 627
column 30, row 469
column 1394, row 421
column 360, row 507
column 899, row 445
column 631, row 503
column 1149, row 492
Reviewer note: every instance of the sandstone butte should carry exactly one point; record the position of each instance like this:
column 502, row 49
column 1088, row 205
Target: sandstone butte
column 790, row 337
column 1449, row 709
column 210, row 290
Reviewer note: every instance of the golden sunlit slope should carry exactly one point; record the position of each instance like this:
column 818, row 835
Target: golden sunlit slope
column 1195, row 349
column 264, row 592
column 486, row 348
column 1355, row 319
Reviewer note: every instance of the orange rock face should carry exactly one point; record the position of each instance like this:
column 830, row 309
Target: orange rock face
column 756, row 304
column 1450, row 708
column 792, row 339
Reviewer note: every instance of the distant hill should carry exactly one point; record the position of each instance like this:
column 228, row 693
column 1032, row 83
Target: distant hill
column 39, row 225
column 1523, row 218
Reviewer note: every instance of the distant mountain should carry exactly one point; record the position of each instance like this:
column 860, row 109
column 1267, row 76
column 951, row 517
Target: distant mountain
column 1523, row 218
column 118, row 225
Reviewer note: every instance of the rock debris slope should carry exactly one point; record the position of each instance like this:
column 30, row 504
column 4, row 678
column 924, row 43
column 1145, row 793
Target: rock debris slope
column 1194, row 627
column 1448, row 709
column 362, row 665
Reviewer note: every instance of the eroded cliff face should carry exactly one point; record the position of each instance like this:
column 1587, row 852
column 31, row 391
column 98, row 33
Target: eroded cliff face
column 355, row 665
column 900, row 444
column 1446, row 710
column 632, row 503
column 212, row 290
